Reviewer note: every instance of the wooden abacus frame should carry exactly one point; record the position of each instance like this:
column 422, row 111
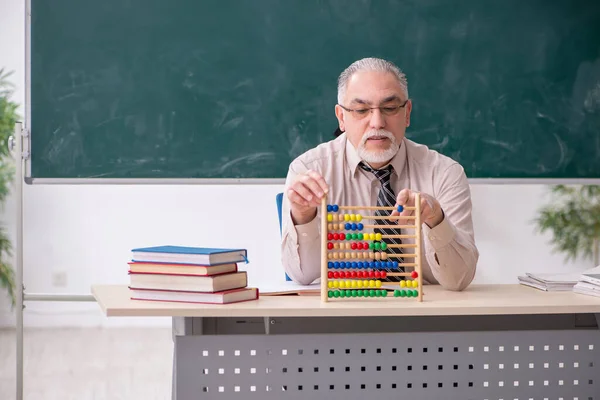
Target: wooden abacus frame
column 417, row 245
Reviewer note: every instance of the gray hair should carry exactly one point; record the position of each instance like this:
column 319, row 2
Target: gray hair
column 370, row 64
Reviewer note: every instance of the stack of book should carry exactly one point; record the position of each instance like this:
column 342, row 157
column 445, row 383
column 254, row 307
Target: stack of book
column 189, row 275
column 550, row 282
column 589, row 283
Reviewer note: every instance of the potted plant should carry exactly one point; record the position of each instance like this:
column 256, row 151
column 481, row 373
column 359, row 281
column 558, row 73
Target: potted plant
column 8, row 119
column 573, row 217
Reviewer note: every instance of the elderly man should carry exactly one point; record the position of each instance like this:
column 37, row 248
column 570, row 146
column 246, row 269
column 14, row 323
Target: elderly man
column 373, row 163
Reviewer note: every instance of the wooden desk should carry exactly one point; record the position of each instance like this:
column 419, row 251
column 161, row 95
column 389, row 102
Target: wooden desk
column 476, row 300
column 490, row 341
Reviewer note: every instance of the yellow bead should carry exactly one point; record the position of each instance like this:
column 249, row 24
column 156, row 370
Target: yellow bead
column 353, row 284
column 346, row 217
column 329, row 217
column 378, row 283
column 415, row 283
column 372, row 236
column 378, row 236
column 358, row 217
column 371, row 283
column 359, row 284
column 336, row 284
column 330, row 284
column 402, row 283
column 352, row 217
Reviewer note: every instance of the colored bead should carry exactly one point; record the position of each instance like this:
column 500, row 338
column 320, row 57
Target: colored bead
column 347, row 226
column 335, row 208
column 330, row 293
column 329, row 265
column 336, row 236
column 372, row 293
column 336, row 264
column 377, row 246
column 354, row 293
column 415, row 283
column 330, row 246
column 402, row 283
column 354, row 227
column 329, row 217
column 377, row 283
column 383, row 246
column 342, row 293
column 354, row 274
column 352, row 217
column 400, row 208
column 414, row 275
column 353, row 246
column 396, row 293
column 377, row 274
column 336, row 284
column 371, row 282
column 378, row 236
column 336, row 293
column 329, row 208
column 346, row 217
column 360, row 227
column 395, row 264
column 371, row 274
column 358, row 217
column 348, row 236
column 371, row 246
column 384, row 293
column 415, row 293
column 384, row 256
column 355, row 236
column 383, row 274
column 329, row 274
column 403, row 293
column 360, row 236
column 336, row 274
column 371, row 236
column 330, row 236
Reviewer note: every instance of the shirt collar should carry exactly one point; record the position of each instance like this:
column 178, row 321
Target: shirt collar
column 398, row 161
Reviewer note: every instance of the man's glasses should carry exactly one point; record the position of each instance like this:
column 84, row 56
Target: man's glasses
column 388, row 110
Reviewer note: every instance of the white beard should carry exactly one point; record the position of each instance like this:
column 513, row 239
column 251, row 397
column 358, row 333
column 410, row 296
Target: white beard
column 381, row 156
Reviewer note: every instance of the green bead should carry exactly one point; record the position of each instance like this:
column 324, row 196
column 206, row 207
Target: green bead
column 330, row 293
column 336, row 293
column 360, row 236
column 360, row 293
column 372, row 293
column 415, row 293
column 403, row 293
column 348, row 236
column 348, row 293
column 367, row 293
column 383, row 246
column 354, row 293
column 342, row 293
column 396, row 293
column 377, row 246
column 355, row 236
column 384, row 293
column 371, row 246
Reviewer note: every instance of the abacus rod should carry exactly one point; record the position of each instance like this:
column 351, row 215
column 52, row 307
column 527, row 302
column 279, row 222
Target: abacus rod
column 374, row 208
column 403, row 255
column 398, row 236
column 385, row 217
column 402, row 246
column 391, row 226
column 418, row 242
column 324, row 249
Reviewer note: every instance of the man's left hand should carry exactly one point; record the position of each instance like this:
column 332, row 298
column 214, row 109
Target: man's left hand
column 431, row 210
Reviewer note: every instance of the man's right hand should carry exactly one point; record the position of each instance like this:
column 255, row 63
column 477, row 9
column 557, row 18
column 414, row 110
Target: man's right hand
column 304, row 195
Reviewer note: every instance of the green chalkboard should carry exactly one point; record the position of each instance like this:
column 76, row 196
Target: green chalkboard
column 238, row 88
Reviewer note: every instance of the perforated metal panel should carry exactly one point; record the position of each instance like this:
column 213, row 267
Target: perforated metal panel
column 457, row 365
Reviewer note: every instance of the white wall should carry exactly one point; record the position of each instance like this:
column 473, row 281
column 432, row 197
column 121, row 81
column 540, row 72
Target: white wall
column 87, row 231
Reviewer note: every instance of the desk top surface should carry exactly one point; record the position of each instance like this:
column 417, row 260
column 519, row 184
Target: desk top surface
column 514, row 299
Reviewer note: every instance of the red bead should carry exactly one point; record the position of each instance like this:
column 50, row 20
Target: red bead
column 383, row 274
column 330, row 274
column 354, row 274
column 377, row 274
column 330, row 236
column 414, row 275
column 347, row 274
column 336, row 236
column 371, row 274
column 365, row 246
column 330, row 245
column 353, row 246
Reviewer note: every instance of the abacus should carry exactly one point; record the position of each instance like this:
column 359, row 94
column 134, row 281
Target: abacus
column 353, row 255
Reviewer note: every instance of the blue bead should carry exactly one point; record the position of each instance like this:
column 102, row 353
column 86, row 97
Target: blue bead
column 378, row 264
column 335, row 208
column 360, row 265
column 372, row 264
column 343, row 265
column 353, row 264
column 390, row 264
column 360, row 227
column 353, row 226
column 400, row 208
column 329, row 265
column 329, row 208
column 347, row 226
column 395, row 264
column 336, row 265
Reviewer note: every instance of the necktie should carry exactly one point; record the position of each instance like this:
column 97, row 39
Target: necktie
column 386, row 198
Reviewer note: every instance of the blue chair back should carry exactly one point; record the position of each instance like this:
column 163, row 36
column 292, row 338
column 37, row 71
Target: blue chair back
column 279, row 201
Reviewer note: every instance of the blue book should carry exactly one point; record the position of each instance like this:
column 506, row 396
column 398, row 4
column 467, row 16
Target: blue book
column 189, row 255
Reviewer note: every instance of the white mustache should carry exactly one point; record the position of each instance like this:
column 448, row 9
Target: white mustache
column 378, row 132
